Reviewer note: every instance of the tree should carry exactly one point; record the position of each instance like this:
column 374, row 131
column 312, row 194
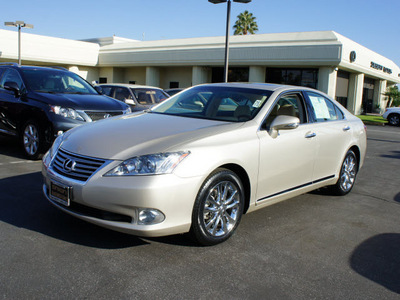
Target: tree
column 246, row 23
column 393, row 95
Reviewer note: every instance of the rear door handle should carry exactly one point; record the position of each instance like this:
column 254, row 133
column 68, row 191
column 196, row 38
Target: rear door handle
column 346, row 128
column 310, row 135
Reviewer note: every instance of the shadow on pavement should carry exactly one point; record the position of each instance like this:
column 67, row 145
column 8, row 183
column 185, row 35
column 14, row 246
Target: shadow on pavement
column 10, row 146
column 397, row 197
column 23, row 205
column 378, row 260
column 395, row 154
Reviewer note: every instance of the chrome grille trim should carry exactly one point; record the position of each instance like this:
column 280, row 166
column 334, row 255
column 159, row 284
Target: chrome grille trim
column 83, row 168
column 100, row 115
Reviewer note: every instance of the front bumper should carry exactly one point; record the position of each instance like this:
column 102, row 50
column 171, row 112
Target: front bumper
column 113, row 202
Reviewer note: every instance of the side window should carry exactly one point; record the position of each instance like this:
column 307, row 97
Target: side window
column 11, row 75
column 324, row 109
column 122, row 94
column 288, row 105
column 106, row 90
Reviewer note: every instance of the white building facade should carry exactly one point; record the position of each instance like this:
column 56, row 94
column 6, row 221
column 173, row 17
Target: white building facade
column 348, row 72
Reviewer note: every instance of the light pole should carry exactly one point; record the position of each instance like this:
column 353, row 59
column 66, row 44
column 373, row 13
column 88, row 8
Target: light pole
column 228, row 17
column 19, row 24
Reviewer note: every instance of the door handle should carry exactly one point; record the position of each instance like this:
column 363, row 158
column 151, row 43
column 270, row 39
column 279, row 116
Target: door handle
column 310, row 135
column 346, row 128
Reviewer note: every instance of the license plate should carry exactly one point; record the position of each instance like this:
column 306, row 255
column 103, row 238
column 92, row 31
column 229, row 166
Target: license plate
column 60, row 193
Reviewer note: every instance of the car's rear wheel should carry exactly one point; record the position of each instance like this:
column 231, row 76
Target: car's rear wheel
column 394, row 119
column 32, row 139
column 218, row 208
column 347, row 176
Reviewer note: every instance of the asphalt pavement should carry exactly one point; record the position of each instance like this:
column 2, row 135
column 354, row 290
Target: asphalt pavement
column 314, row 246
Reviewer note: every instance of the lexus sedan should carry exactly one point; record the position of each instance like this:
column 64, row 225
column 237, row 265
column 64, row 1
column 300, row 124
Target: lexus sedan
column 201, row 159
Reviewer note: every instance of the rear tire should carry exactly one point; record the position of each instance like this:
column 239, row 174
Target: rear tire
column 347, row 176
column 32, row 140
column 218, row 208
column 394, row 119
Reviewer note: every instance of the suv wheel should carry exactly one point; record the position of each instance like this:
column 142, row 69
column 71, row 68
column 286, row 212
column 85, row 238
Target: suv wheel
column 32, row 139
column 394, row 119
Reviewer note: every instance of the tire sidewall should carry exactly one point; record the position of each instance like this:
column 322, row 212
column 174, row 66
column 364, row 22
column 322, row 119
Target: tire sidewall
column 338, row 190
column 198, row 229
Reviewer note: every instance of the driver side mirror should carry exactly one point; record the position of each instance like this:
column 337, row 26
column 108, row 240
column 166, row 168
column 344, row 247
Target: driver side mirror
column 13, row 86
column 283, row 123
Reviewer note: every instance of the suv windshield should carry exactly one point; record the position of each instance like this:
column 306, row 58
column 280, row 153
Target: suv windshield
column 215, row 103
column 56, row 81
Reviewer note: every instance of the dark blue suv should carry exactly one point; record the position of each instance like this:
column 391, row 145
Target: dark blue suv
column 39, row 103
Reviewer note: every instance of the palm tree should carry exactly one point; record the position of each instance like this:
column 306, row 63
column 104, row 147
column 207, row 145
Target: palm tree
column 246, row 23
column 393, row 95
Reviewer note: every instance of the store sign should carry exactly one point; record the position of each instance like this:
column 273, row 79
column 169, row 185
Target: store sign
column 380, row 67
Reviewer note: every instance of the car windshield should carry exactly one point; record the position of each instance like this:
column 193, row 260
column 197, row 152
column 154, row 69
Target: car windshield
column 56, row 81
column 231, row 104
column 149, row 96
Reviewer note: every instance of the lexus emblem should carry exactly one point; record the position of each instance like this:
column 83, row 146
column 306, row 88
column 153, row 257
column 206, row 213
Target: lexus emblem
column 106, row 116
column 69, row 165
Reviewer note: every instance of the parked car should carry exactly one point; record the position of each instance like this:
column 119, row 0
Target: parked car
column 392, row 114
column 38, row 103
column 139, row 97
column 172, row 92
column 204, row 157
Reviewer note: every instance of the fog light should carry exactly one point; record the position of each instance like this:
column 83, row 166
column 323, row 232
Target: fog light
column 148, row 216
column 60, row 133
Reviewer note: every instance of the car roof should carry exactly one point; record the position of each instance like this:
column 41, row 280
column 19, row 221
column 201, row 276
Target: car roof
column 16, row 66
column 263, row 86
column 129, row 85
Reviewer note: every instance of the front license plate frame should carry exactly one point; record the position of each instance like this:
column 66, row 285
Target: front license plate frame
column 60, row 193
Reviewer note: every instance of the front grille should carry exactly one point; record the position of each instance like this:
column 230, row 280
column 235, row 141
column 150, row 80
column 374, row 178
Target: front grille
column 75, row 166
column 96, row 115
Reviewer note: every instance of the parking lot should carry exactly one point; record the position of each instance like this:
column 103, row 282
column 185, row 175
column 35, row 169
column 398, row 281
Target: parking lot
column 314, row 246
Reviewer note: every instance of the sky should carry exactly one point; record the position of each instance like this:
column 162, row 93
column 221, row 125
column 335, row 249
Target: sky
column 371, row 23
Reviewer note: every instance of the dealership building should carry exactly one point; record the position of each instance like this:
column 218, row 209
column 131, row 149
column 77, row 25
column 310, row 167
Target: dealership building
column 352, row 74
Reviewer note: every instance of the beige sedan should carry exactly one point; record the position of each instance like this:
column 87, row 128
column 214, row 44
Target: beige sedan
column 200, row 160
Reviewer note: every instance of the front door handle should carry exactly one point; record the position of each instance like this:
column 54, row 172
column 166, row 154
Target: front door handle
column 310, row 135
column 346, row 128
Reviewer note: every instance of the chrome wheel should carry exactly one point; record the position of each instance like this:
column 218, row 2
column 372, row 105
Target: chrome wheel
column 348, row 174
column 221, row 209
column 218, row 208
column 31, row 139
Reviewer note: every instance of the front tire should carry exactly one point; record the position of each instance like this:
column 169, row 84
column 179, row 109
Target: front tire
column 218, row 208
column 32, row 140
column 347, row 176
column 394, row 119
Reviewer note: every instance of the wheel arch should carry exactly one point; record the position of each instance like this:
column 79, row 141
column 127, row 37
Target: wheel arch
column 244, row 178
column 357, row 152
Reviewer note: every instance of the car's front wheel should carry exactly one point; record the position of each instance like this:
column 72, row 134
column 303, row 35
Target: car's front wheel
column 394, row 119
column 347, row 176
column 32, row 139
column 218, row 208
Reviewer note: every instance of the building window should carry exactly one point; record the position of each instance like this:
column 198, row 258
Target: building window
column 174, row 84
column 292, row 76
column 132, row 82
column 234, row 75
column 103, row 80
column 342, row 87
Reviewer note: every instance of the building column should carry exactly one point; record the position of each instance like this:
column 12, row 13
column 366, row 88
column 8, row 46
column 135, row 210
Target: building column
column 199, row 75
column 379, row 98
column 327, row 77
column 152, row 76
column 356, row 85
column 257, row 74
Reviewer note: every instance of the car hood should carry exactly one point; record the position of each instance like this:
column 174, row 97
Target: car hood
column 82, row 101
column 143, row 133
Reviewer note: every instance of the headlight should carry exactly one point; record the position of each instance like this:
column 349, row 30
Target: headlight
column 153, row 164
column 66, row 112
column 53, row 150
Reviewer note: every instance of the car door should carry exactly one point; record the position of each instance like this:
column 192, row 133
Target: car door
column 10, row 105
column 332, row 133
column 287, row 161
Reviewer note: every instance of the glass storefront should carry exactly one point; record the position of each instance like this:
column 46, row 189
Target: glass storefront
column 234, row 74
column 293, row 76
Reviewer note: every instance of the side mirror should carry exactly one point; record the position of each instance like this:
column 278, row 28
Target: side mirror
column 130, row 101
column 283, row 123
column 99, row 89
column 13, row 86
